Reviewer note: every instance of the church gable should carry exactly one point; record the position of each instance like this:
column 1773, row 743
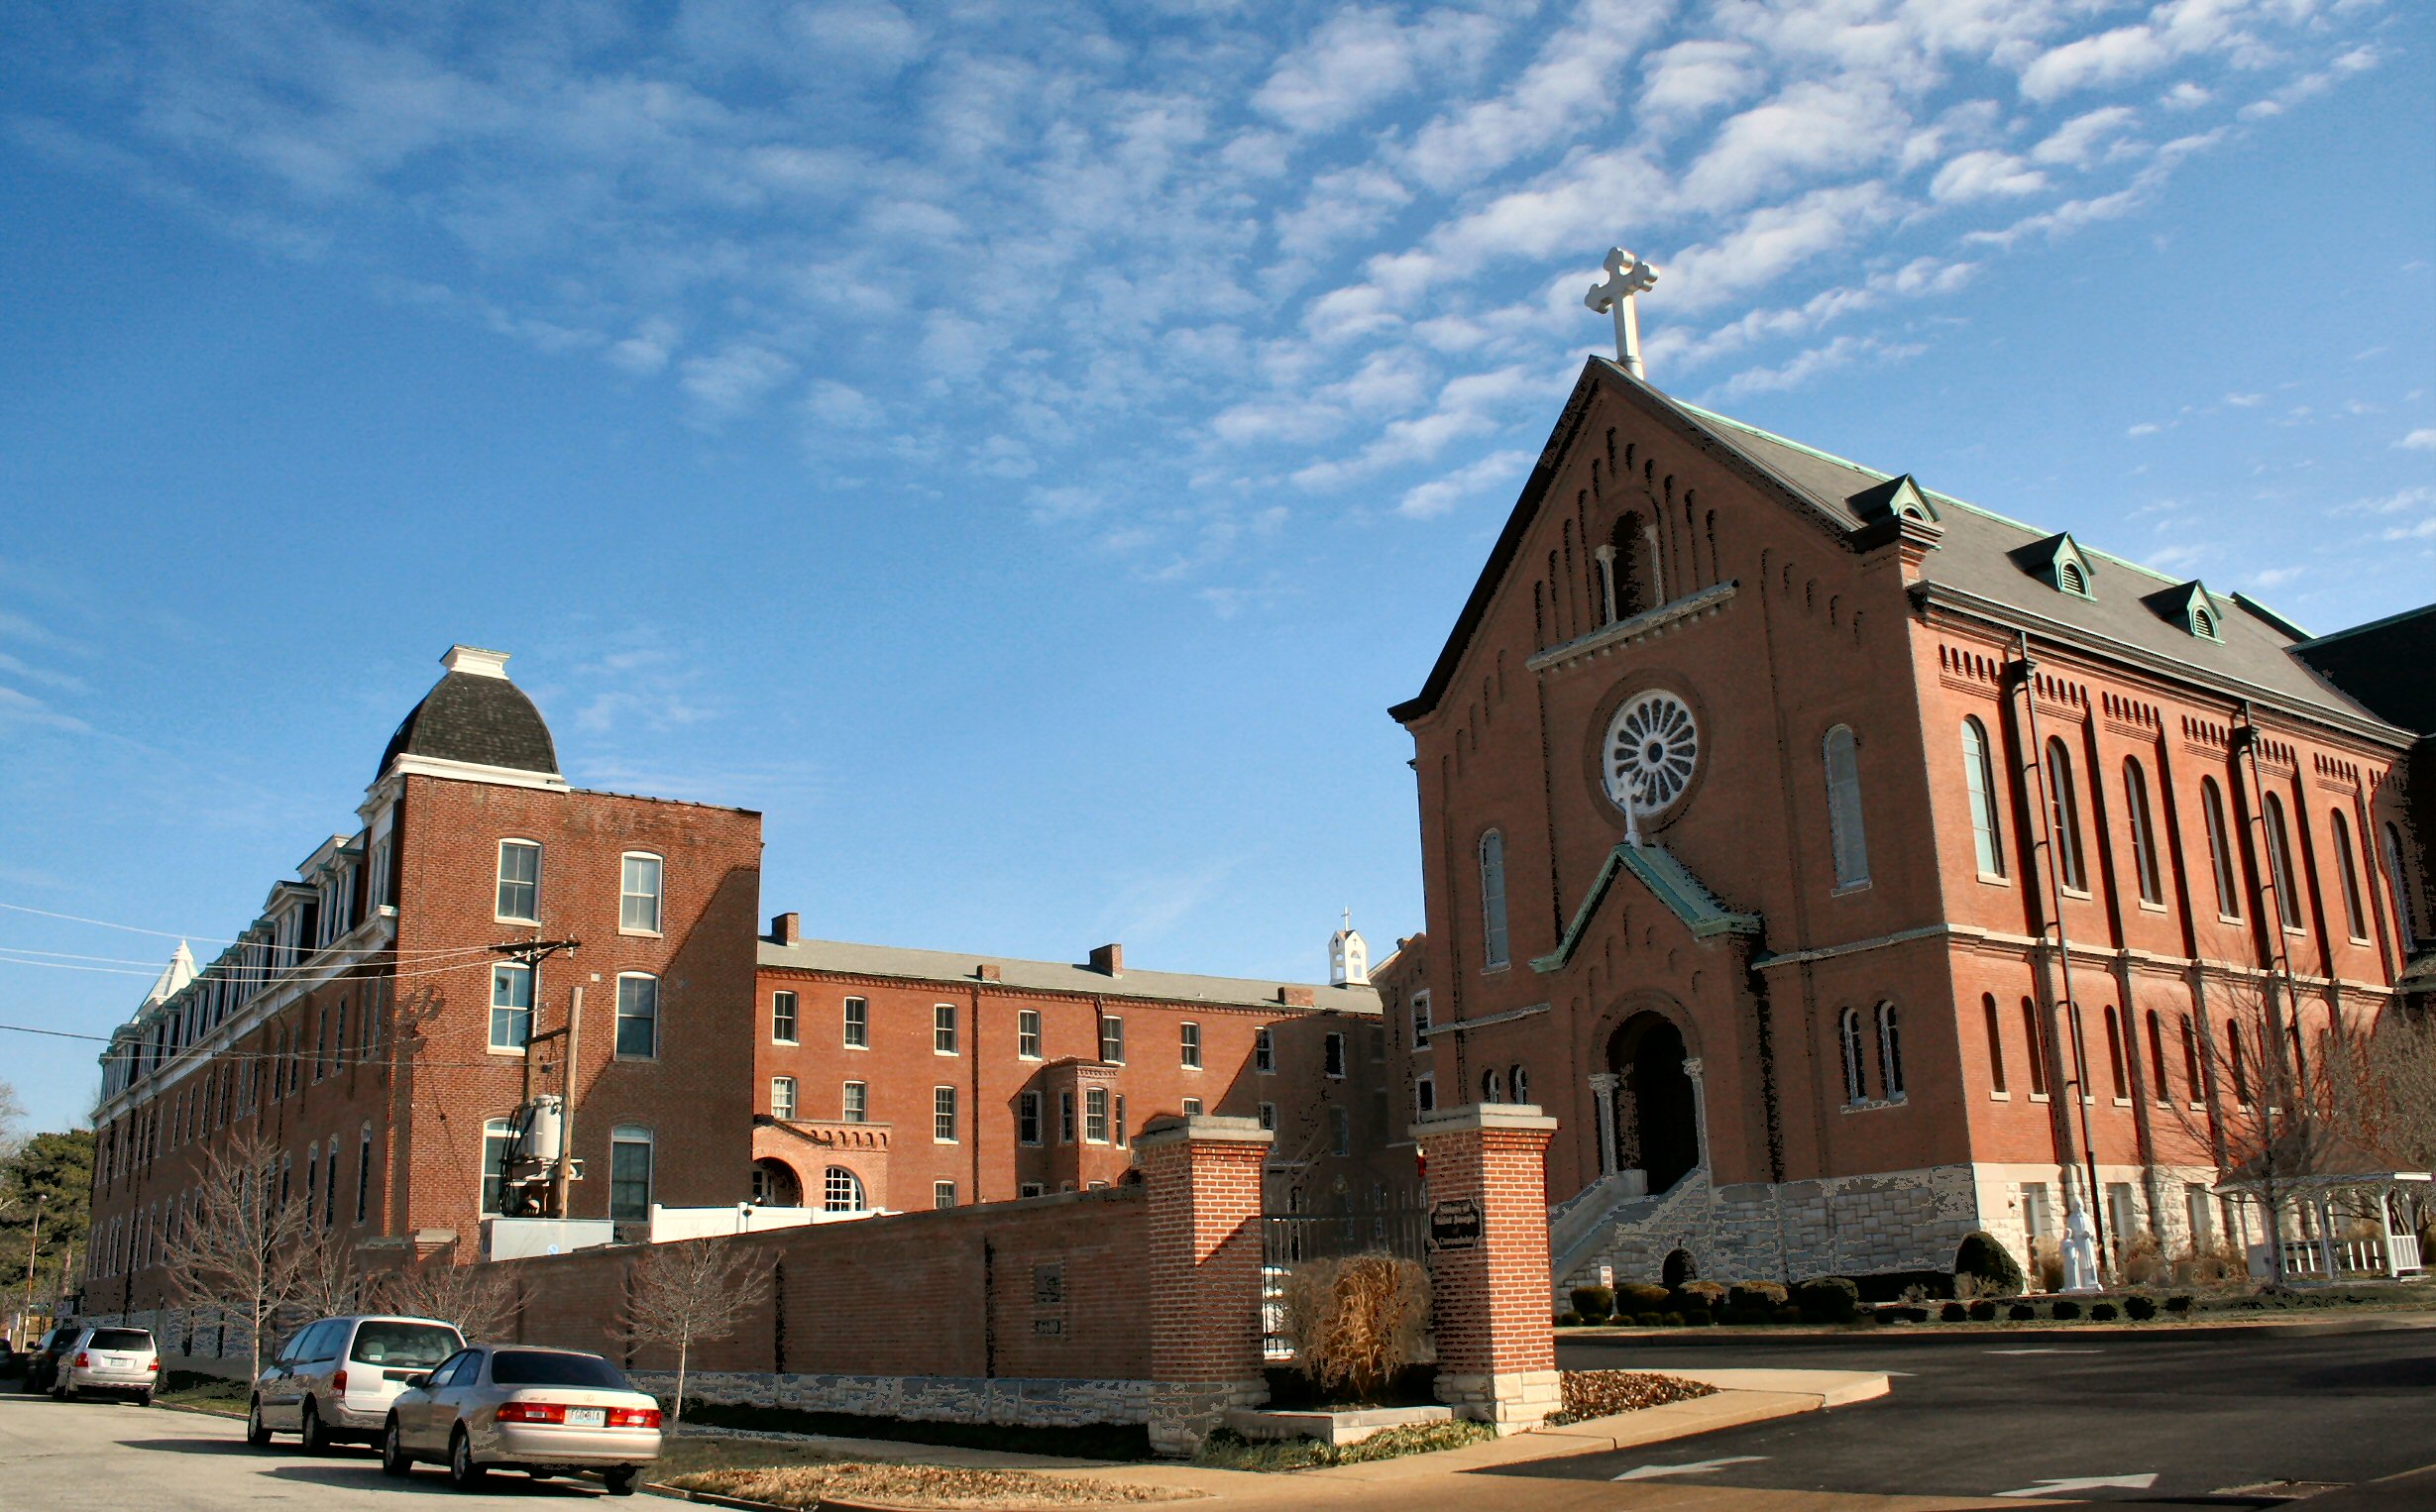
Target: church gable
column 1667, row 880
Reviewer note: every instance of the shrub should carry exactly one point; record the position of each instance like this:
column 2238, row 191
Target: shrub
column 1650, row 1320
column 1765, row 1296
column 1953, row 1312
column 1787, row 1315
column 1697, row 1296
column 2020, row 1312
column 2140, row 1309
column 1641, row 1297
column 1987, row 1265
column 2066, row 1310
column 2178, row 1304
column 2144, row 1259
column 1569, row 1320
column 1671, row 1320
column 1983, row 1311
column 1594, row 1303
column 2103, row 1312
column 1355, row 1322
column 1827, row 1299
column 1700, row 1318
column 2046, row 1261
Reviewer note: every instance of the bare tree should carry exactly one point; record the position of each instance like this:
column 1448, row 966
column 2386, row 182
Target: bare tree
column 2395, row 1114
column 12, row 1112
column 236, row 1250
column 477, row 1299
column 684, row 1293
column 328, row 1281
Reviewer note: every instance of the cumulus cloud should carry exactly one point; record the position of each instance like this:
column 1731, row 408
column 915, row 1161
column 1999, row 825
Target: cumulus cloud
column 1985, row 175
column 732, row 379
column 1809, row 129
column 1360, row 58
column 1493, row 474
column 2078, row 139
column 1568, row 89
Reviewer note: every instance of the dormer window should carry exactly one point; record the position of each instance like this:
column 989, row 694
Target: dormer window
column 2061, row 563
column 2188, row 606
column 2070, row 579
column 2203, row 623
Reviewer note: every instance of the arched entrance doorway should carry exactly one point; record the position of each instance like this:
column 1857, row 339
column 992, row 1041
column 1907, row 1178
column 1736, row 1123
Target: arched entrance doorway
column 1656, row 1118
column 775, row 1184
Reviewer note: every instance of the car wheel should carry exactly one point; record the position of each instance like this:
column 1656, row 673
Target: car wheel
column 394, row 1457
column 258, row 1433
column 463, row 1473
column 621, row 1482
column 144, row 1399
column 311, row 1437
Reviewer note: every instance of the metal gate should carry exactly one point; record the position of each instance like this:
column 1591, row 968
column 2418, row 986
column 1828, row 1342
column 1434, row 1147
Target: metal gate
column 1393, row 1223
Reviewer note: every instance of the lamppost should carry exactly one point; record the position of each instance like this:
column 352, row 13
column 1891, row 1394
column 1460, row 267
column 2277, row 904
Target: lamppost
column 33, row 1242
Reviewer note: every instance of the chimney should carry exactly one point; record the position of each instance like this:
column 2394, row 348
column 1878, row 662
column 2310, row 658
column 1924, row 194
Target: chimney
column 988, row 971
column 1297, row 997
column 474, row 661
column 1108, row 960
column 787, row 929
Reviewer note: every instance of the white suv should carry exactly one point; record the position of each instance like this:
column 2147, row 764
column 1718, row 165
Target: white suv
column 333, row 1380
column 121, row 1360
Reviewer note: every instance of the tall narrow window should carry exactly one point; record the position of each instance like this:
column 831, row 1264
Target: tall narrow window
column 1856, row 1072
column 512, row 1006
column 1264, row 1051
column 1979, row 776
column 1996, row 1043
column 2064, row 816
column 2163, row 1089
column 1493, row 900
column 1844, row 784
column 639, row 893
column 1112, row 1039
column 1027, row 1032
column 519, row 881
column 2113, row 1052
column 943, row 1114
column 2240, row 1071
column 638, row 1016
column 1332, row 1057
column 1519, row 1084
column 1065, row 1118
column 629, row 1172
column 781, row 1097
column 2034, row 1039
column 1189, row 1036
column 781, row 1018
column 2192, row 1087
column 1631, row 541
column 858, row 1023
column 1096, row 1114
column 1028, row 1118
column 1493, row 1086
column 943, row 1028
column 1340, row 1132
column 857, row 1103
column 2405, row 902
column 2354, row 920
column 312, row 1166
column 2144, row 835
column 2280, row 863
column 2220, row 848
column 329, row 1185
column 1890, row 1052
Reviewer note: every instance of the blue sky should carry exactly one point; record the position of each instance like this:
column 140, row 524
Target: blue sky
column 1024, row 449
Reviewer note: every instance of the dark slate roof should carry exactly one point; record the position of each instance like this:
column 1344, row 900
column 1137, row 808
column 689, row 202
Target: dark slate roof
column 2385, row 663
column 485, row 720
column 1016, row 975
column 1980, row 555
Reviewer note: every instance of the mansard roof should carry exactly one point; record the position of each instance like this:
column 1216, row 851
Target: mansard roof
column 1982, row 557
column 474, row 715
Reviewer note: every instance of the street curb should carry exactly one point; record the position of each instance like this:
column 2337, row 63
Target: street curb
column 1966, row 1333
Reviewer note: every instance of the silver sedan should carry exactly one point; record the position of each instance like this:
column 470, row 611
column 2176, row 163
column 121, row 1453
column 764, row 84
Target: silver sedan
column 513, row 1406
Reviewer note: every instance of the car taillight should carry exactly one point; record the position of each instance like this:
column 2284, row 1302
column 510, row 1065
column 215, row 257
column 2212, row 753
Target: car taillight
column 156, row 1365
column 532, row 1411
column 83, row 1359
column 338, row 1384
column 635, row 1417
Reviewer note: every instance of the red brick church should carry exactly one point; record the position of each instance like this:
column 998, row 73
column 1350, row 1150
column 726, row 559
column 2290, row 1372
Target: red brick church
column 1848, row 867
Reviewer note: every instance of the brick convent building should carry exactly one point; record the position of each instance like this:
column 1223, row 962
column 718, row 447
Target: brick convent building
column 367, row 1027
column 1848, row 867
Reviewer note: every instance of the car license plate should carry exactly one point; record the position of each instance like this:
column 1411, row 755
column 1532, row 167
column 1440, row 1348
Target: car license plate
column 115, row 1361
column 587, row 1417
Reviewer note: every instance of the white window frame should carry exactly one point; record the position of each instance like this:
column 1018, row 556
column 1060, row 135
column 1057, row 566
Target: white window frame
column 1112, row 1036
column 501, row 883
column 1192, row 1107
column 1028, row 1034
column 943, row 1028
column 1979, row 782
column 618, row 1033
column 846, row 1195
column 853, row 1028
column 942, row 1194
column 854, row 1102
column 1095, row 1116
column 786, row 1008
column 943, row 1113
column 781, row 1097
column 1264, row 1051
column 630, row 1136
column 628, row 894
column 506, row 971
column 1188, row 1045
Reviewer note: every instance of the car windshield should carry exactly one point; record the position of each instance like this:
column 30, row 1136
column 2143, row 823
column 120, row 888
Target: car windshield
column 120, row 1339
column 405, row 1345
column 533, row 1367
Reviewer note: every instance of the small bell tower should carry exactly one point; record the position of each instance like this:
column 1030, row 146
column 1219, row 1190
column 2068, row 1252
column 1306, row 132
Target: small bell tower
column 1348, row 958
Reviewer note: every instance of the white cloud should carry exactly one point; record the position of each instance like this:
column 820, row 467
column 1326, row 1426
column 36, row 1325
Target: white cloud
column 1985, row 175
column 1691, row 78
column 2245, row 401
column 734, row 379
column 2423, row 530
column 1843, row 352
column 1361, row 59
column 2110, row 57
column 2422, row 439
column 1811, row 129
column 2184, row 96
column 1492, row 476
column 842, row 407
column 2144, row 428
column 2074, row 142
column 1772, row 242
column 646, row 351
column 1568, row 89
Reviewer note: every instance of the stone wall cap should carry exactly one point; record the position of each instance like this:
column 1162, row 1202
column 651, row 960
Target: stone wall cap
column 1472, row 1116
column 1169, row 1129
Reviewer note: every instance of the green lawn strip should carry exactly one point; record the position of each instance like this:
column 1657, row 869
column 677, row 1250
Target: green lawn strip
column 1226, row 1450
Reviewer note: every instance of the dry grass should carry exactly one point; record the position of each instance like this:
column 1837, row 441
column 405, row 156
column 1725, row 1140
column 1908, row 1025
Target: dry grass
column 1602, row 1393
column 912, row 1485
column 1357, row 1321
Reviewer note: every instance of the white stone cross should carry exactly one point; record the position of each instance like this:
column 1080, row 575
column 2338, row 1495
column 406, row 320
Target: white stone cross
column 1627, row 275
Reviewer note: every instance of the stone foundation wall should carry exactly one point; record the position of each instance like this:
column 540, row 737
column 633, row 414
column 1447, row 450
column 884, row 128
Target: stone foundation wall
column 1767, row 1232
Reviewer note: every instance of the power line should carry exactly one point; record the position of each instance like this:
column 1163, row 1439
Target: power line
column 188, row 937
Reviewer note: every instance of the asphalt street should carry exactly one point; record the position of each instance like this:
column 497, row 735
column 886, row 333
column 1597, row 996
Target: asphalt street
column 2156, row 1418
column 116, row 1455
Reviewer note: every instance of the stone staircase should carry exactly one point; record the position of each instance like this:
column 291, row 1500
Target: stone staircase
column 1631, row 1232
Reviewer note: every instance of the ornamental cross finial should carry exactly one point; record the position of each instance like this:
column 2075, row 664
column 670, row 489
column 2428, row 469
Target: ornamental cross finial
column 1627, row 275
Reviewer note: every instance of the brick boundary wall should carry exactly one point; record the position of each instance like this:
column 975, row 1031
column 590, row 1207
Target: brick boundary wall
column 1497, row 1348
column 1203, row 1178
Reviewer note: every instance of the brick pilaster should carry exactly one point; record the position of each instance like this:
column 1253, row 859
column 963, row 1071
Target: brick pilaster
column 1496, row 1351
column 1202, row 1178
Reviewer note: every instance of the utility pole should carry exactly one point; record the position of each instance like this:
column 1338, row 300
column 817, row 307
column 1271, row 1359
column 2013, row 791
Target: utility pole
column 33, row 1242
column 563, row 1174
column 530, row 955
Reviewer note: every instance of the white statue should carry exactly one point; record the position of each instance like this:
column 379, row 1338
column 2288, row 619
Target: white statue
column 2080, row 1251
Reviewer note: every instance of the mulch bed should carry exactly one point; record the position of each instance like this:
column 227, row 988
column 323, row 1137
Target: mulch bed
column 1602, row 1393
column 914, row 1485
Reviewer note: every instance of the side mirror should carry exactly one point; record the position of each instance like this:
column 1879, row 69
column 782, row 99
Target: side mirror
column 419, row 1381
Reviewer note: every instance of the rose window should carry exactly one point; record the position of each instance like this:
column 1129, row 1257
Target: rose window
column 1653, row 744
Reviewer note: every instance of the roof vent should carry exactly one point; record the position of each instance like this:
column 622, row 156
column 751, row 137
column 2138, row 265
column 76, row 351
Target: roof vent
column 474, row 661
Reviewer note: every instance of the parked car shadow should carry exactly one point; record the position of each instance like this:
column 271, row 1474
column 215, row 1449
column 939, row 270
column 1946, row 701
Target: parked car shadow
column 427, row 1480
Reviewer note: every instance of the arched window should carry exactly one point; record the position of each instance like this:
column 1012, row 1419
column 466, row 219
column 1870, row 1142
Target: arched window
column 2355, row 919
column 1856, row 1073
column 1632, row 590
column 1996, row 1043
column 2113, row 1052
column 2220, row 848
column 1890, row 1053
column 2405, row 902
column 2068, row 575
column 2065, row 814
column 2203, row 623
column 842, row 1191
column 2144, row 836
column 2033, row 1036
column 1491, row 1086
column 2162, row 1090
column 2192, row 1087
column 1979, row 776
column 2280, row 863
column 2240, row 1071
column 1493, row 900
column 1519, row 1084
column 1843, row 782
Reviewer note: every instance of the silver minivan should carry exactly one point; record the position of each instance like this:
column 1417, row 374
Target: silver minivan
column 333, row 1380
column 121, row 1362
